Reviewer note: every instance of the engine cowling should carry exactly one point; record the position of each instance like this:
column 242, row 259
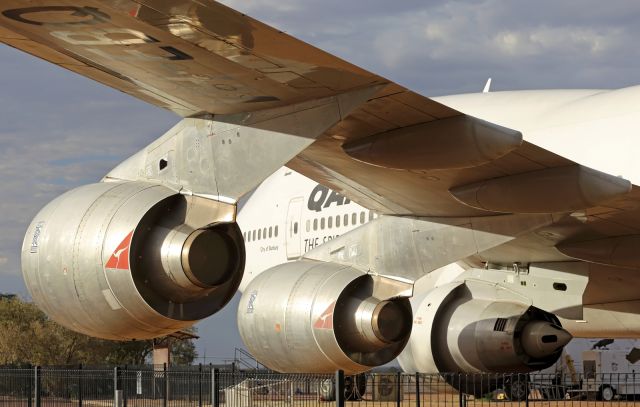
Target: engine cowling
column 310, row 316
column 132, row 260
column 476, row 327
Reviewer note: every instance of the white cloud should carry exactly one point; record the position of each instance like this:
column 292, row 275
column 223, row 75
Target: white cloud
column 441, row 47
column 280, row 6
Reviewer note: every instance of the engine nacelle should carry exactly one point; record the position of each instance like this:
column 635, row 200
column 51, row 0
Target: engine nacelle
column 132, row 260
column 310, row 316
column 474, row 327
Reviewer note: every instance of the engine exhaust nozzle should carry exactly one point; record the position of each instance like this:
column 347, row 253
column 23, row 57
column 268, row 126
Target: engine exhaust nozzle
column 541, row 338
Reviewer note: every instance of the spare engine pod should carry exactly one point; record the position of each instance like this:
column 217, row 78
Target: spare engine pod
column 309, row 316
column 473, row 327
column 128, row 260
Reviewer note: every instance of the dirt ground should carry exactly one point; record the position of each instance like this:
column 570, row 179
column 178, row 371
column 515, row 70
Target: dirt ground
column 443, row 400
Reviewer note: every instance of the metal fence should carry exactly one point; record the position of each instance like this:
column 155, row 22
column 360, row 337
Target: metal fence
column 194, row 387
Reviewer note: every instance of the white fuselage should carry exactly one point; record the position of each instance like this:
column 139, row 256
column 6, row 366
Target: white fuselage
column 289, row 214
column 595, row 128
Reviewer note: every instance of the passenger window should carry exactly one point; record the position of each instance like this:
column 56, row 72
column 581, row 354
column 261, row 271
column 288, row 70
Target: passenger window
column 362, row 217
column 295, row 228
column 346, row 220
column 254, row 235
column 370, row 215
column 322, row 223
column 275, row 231
column 270, row 231
column 259, row 234
column 337, row 221
column 264, row 233
column 354, row 218
column 308, row 225
column 315, row 224
column 330, row 222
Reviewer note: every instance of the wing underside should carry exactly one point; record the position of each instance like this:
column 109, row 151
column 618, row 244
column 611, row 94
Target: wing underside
column 398, row 153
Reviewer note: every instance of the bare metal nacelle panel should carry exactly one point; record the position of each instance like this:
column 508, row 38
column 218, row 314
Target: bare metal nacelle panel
column 155, row 247
column 310, row 316
column 132, row 260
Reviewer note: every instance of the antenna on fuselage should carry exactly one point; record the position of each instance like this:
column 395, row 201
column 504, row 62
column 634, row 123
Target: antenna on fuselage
column 487, row 86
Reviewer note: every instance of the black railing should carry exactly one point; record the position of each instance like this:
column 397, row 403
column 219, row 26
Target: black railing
column 198, row 386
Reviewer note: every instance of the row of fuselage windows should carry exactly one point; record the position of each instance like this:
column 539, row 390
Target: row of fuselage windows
column 316, row 224
column 261, row 234
column 339, row 221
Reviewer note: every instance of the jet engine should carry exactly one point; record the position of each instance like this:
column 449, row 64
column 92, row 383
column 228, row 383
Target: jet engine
column 309, row 316
column 474, row 327
column 132, row 260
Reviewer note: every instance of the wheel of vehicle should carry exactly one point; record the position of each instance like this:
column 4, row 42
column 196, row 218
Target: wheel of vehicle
column 354, row 388
column 327, row 391
column 606, row 393
column 516, row 387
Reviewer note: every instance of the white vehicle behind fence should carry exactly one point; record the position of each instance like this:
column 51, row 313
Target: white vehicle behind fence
column 611, row 373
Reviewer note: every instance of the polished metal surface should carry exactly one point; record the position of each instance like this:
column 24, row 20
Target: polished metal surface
column 108, row 259
column 411, row 248
column 225, row 157
column 309, row 316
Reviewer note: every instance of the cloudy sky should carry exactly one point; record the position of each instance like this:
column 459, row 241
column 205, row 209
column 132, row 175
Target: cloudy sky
column 59, row 130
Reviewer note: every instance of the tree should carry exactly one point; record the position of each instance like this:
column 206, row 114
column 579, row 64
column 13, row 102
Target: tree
column 183, row 352
column 27, row 336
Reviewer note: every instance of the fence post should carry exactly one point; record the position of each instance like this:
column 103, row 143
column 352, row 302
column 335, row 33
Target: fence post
column 200, row 385
column 417, row 389
column 339, row 388
column 123, row 385
column 398, row 389
column 80, row 385
column 117, row 393
column 29, row 389
column 526, row 389
column 461, row 395
column 165, row 392
column 215, row 387
column 37, row 384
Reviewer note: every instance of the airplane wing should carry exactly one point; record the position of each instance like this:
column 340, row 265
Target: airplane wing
column 399, row 153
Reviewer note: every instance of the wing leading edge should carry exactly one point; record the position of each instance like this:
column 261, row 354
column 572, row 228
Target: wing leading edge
column 186, row 56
